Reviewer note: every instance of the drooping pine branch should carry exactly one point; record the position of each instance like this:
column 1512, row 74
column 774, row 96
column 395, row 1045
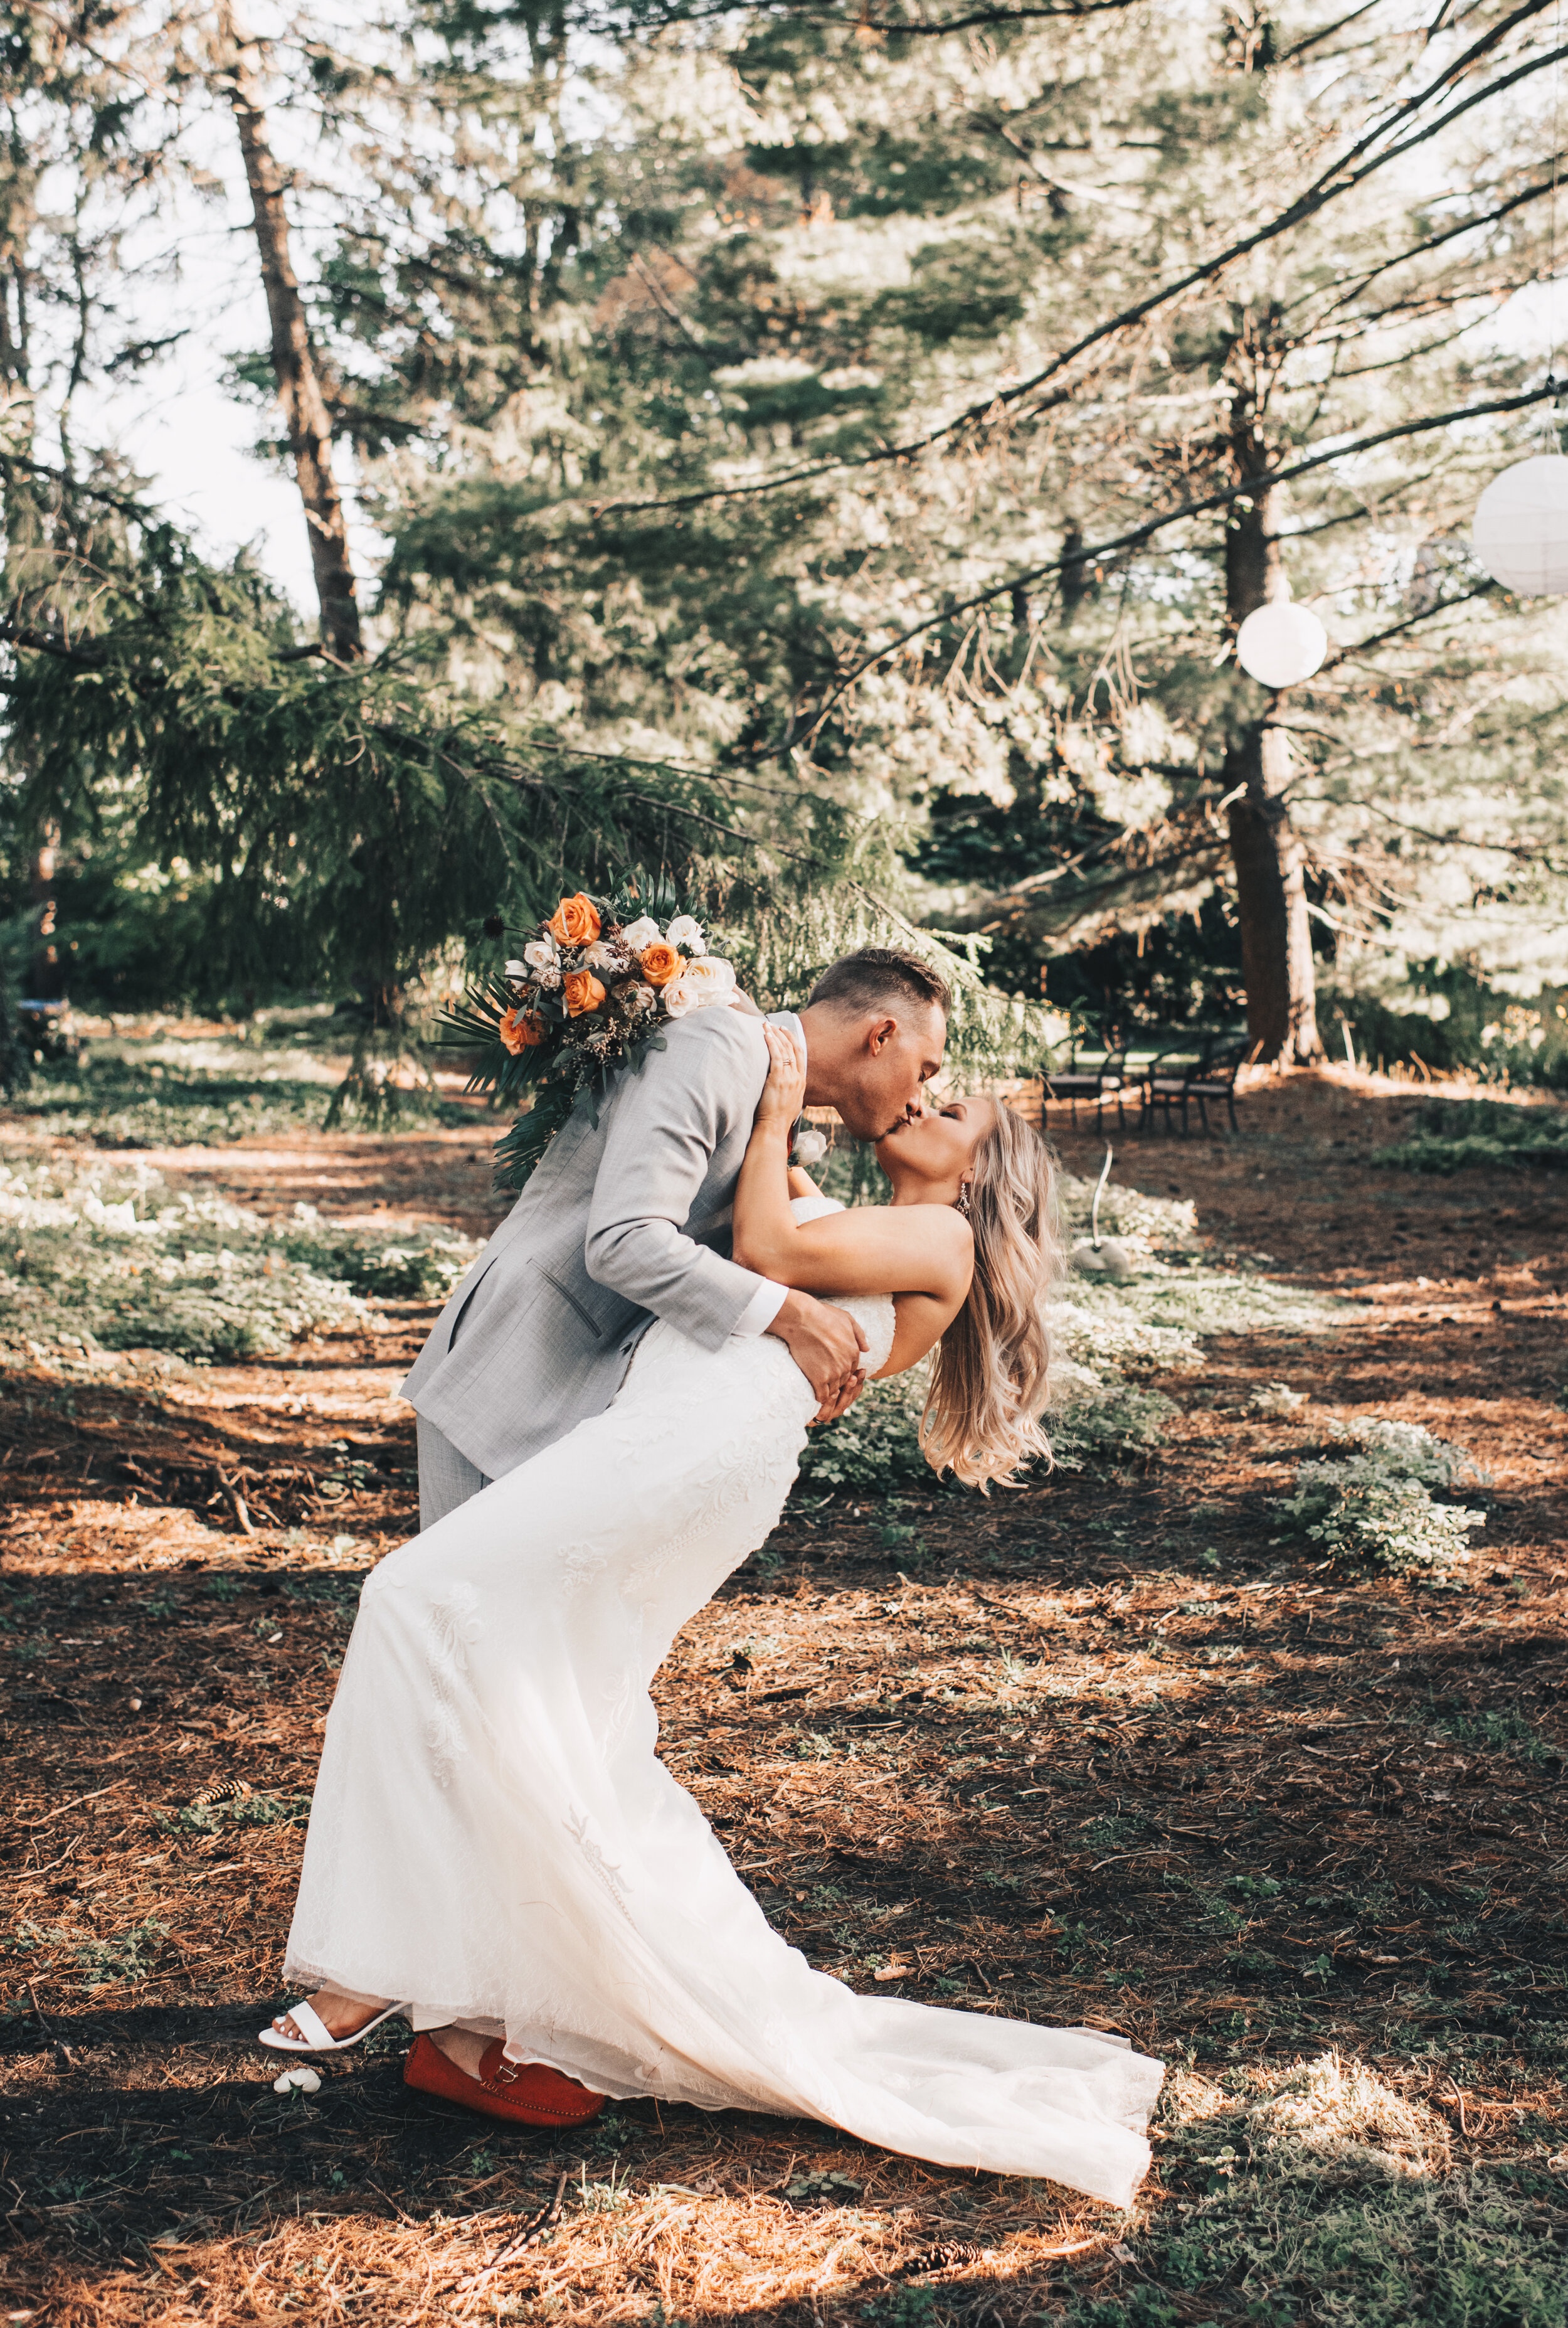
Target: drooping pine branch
column 1119, row 545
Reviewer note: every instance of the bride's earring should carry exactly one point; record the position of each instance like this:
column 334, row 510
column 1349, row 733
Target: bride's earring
column 962, row 1202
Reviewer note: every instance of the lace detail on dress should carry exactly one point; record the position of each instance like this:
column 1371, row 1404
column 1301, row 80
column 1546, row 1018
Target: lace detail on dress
column 581, row 1563
column 585, row 1833
column 745, row 1470
column 454, row 1623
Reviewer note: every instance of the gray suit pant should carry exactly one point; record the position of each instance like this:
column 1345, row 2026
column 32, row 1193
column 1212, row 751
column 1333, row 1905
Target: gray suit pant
column 447, row 1479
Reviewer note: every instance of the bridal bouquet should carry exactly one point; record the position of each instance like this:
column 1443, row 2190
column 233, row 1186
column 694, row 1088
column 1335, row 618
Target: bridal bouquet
column 590, row 990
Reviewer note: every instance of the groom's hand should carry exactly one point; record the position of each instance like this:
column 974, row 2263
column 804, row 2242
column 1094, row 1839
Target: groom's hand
column 826, row 1345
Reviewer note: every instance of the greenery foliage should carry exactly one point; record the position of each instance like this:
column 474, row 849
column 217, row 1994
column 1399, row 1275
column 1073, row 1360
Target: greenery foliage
column 246, row 1810
column 129, row 1103
column 875, row 1448
column 1453, row 1134
column 103, row 1261
column 1333, row 2191
column 1377, row 1506
column 1448, row 1018
column 1111, row 1339
column 809, row 457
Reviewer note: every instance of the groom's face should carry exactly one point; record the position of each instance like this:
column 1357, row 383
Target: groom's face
column 894, row 1059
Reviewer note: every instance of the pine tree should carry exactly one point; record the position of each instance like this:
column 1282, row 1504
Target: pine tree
column 844, row 413
column 982, row 326
column 237, row 61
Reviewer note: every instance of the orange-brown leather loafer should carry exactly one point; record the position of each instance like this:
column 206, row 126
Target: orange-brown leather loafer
column 526, row 2093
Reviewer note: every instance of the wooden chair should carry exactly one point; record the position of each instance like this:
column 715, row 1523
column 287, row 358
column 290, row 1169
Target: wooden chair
column 1201, row 1070
column 1217, row 1081
column 1165, row 1085
column 1097, row 1086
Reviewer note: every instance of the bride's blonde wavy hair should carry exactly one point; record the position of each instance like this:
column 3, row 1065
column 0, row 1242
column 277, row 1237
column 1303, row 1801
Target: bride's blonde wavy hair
column 990, row 1378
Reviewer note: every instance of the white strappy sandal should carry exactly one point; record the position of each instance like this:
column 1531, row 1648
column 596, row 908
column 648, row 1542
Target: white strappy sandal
column 318, row 2038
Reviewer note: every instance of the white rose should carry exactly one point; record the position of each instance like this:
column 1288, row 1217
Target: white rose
column 542, row 957
column 606, row 953
column 811, row 1146
column 700, row 984
column 640, row 934
column 516, row 969
column 641, row 997
column 686, row 931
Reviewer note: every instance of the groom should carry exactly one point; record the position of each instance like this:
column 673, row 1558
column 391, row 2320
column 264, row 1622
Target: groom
column 628, row 1219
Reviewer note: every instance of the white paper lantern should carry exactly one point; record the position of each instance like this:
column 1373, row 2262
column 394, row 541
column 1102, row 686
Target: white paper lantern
column 1521, row 533
column 1281, row 643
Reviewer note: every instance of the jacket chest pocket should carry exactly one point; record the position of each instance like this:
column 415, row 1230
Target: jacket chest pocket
column 568, row 1296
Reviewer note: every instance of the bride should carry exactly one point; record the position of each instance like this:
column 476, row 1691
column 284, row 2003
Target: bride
column 494, row 1841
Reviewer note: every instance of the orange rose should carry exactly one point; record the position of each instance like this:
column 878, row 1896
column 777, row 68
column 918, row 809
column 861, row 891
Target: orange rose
column 582, row 991
column 574, row 921
column 661, row 962
column 520, row 1030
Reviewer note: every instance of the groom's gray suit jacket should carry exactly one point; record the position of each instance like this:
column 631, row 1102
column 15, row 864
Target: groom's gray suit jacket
column 620, row 1223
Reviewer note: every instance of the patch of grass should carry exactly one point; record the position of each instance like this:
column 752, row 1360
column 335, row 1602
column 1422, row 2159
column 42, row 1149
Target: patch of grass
column 611, row 2197
column 1331, row 2196
column 1452, row 1134
column 1501, row 1730
column 249, row 1810
column 190, row 1094
column 1144, row 2307
column 903, row 2307
column 905, row 1545
column 120, row 1102
column 103, row 1958
column 1111, row 1833
column 1108, row 1338
column 96, row 1260
column 1375, row 1507
column 1110, row 1419
column 821, row 2189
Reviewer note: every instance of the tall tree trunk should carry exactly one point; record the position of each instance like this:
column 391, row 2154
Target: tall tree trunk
column 293, row 359
column 1265, row 848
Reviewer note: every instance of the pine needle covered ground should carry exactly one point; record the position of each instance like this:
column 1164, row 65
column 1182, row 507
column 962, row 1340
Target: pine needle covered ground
column 1119, row 1748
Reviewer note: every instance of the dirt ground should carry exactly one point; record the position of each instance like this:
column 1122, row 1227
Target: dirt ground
column 1105, row 1750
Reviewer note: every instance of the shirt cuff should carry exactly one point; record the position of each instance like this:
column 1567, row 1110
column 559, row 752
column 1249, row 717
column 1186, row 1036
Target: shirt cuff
column 762, row 1309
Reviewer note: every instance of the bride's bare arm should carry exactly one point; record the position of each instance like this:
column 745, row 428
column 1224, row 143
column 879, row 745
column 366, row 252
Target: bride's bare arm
column 910, row 1249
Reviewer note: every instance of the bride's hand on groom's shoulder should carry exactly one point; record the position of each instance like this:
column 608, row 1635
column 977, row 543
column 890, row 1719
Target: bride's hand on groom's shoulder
column 783, row 1093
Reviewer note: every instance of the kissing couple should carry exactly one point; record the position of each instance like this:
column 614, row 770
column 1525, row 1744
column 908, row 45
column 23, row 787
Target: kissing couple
column 611, row 1409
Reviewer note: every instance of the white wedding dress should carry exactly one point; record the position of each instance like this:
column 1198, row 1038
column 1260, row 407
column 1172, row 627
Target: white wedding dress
column 493, row 1836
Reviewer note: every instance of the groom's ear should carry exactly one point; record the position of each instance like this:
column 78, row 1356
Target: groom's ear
column 879, row 1034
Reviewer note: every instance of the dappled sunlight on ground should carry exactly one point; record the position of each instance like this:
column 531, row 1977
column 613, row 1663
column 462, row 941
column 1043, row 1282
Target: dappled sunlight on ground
column 1113, row 1749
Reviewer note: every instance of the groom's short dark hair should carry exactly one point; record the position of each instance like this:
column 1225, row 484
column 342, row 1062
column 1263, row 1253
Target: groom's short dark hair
column 880, row 978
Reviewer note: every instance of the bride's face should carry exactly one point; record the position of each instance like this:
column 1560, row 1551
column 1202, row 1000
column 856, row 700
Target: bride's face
column 938, row 1146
